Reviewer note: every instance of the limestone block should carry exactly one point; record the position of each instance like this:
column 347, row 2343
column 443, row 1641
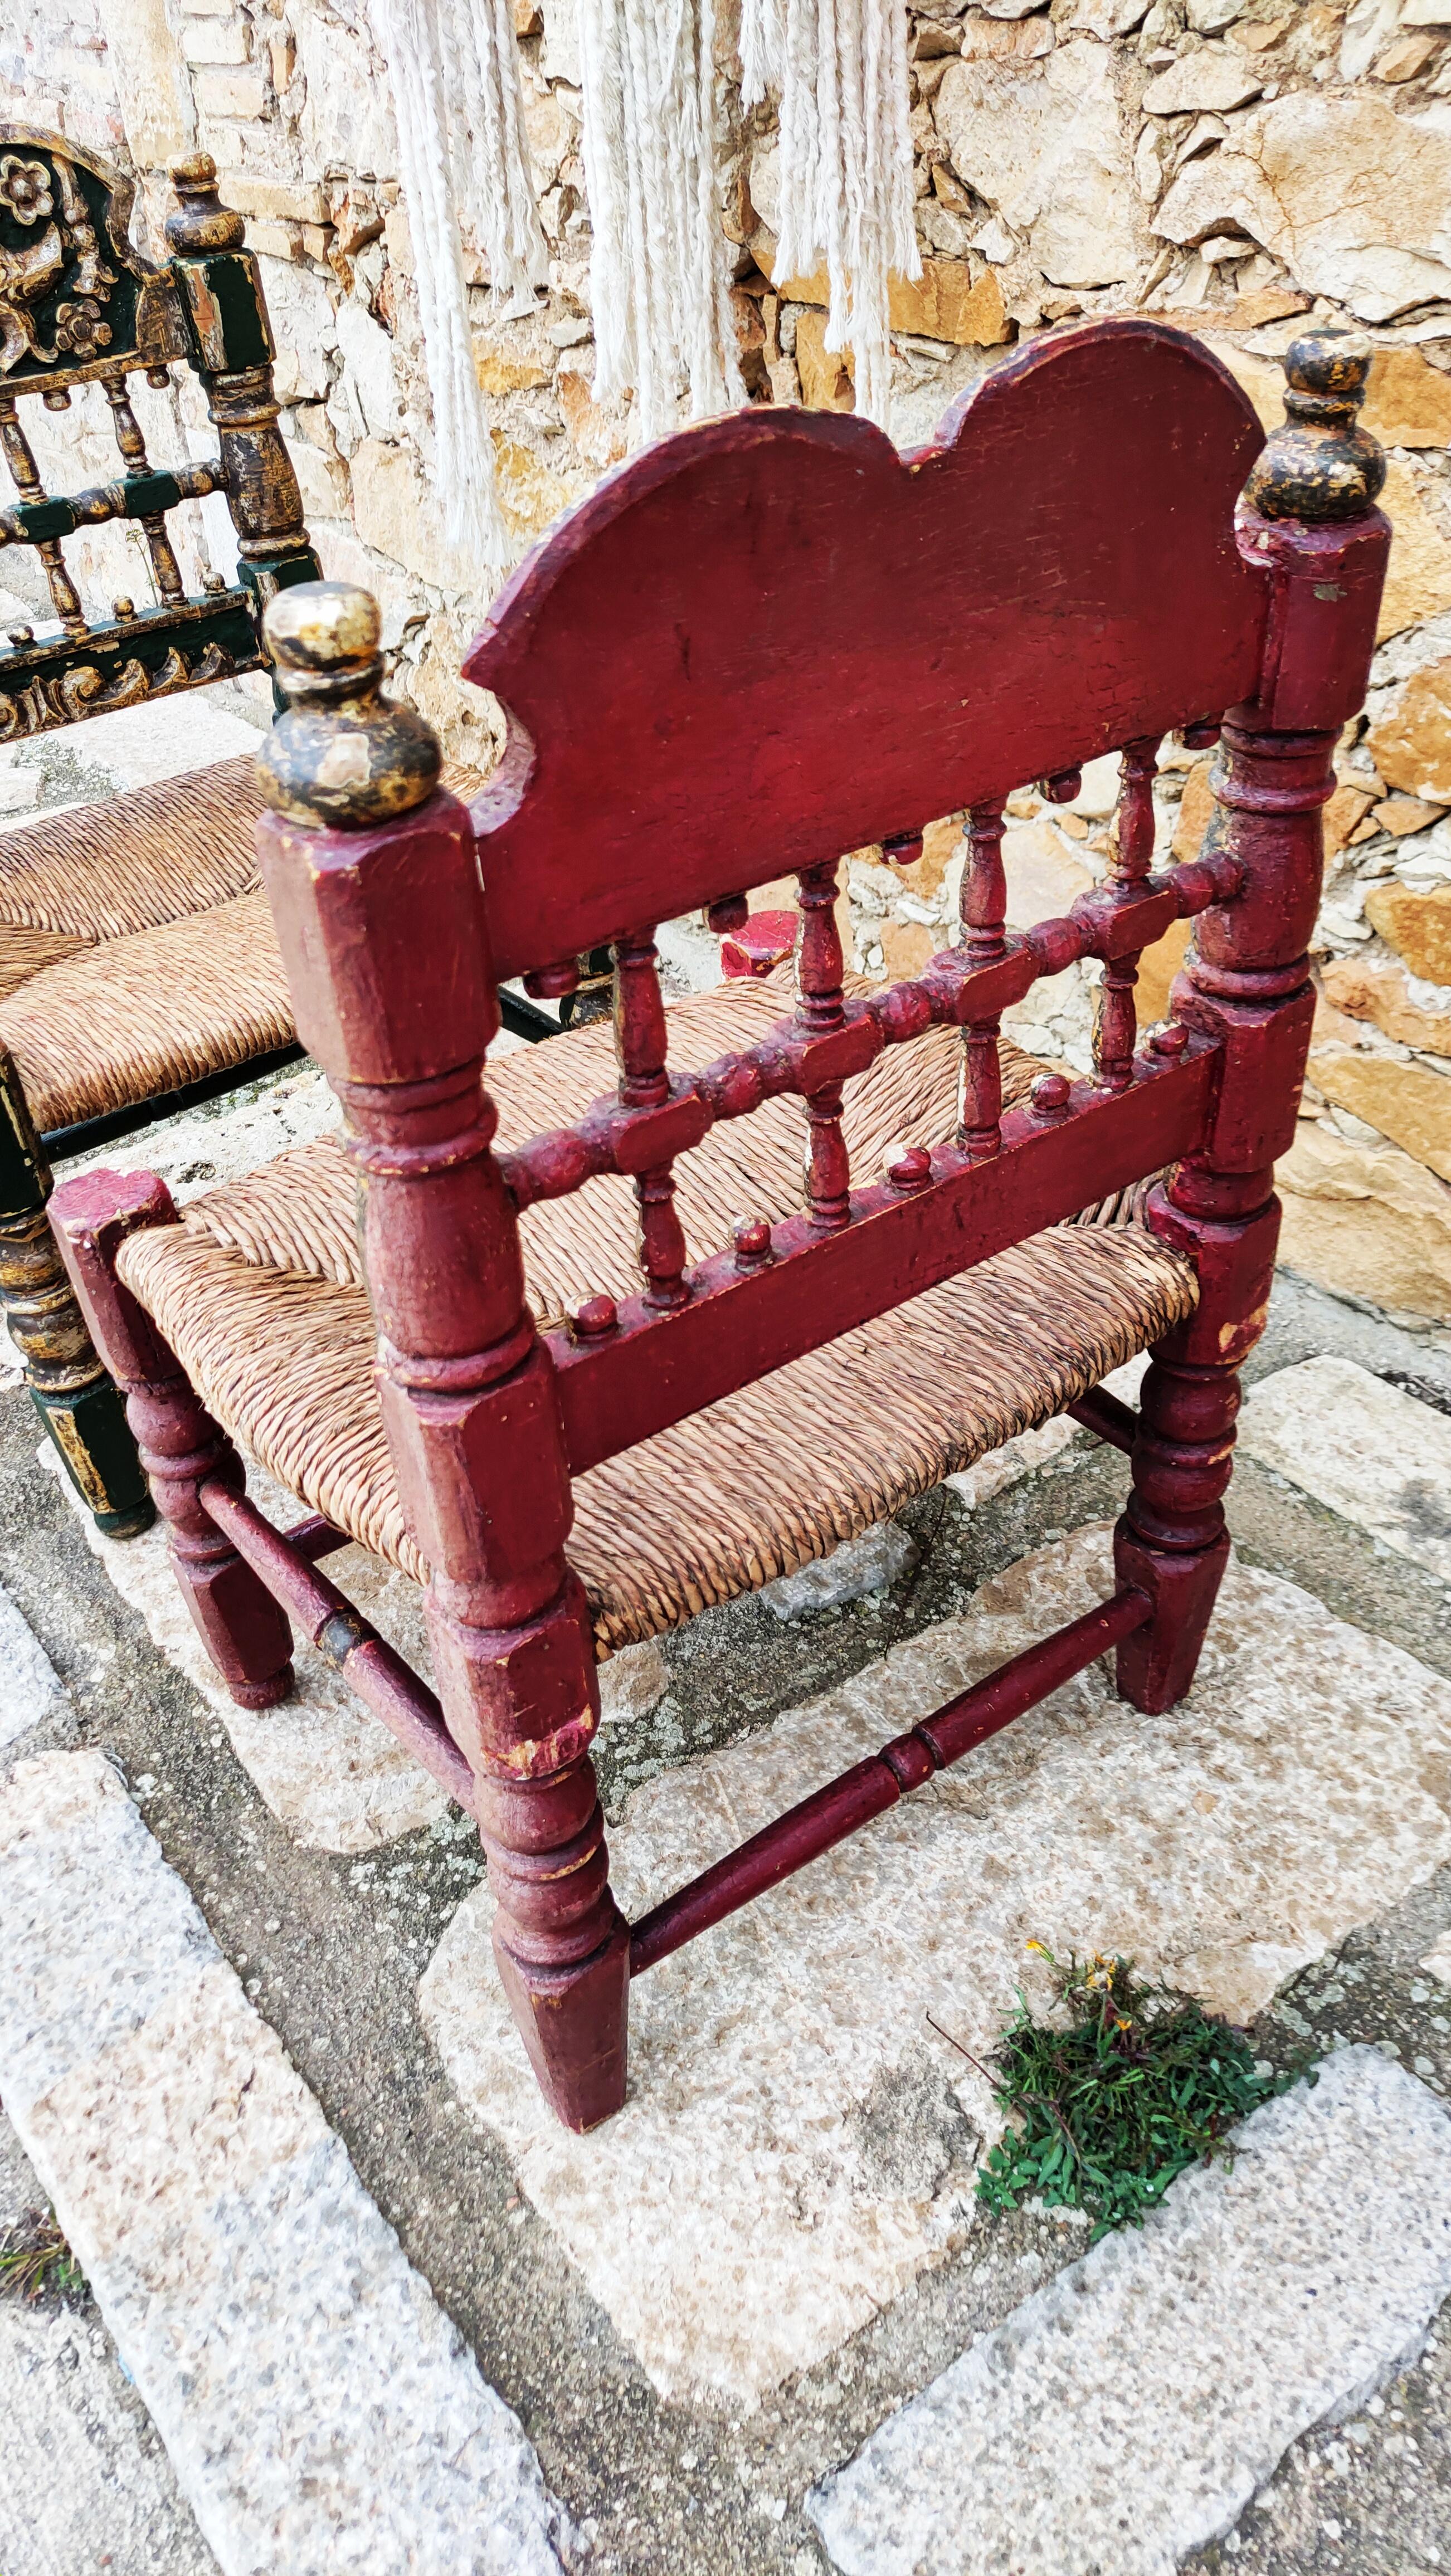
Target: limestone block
column 1406, row 59
column 1410, row 739
column 1379, row 991
column 1364, row 1449
column 1043, row 875
column 530, row 493
column 1195, row 808
column 1366, row 1221
column 1158, row 967
column 318, row 2407
column 321, row 480
column 1108, row 18
column 825, row 374
column 1426, row 13
column 853, row 1571
column 798, row 2139
column 1405, row 816
column 1043, row 143
column 238, row 91
column 1369, row 24
column 394, row 511
column 367, row 353
column 950, row 301
column 1379, row 246
column 1003, row 40
column 562, row 56
column 1418, row 576
column 1127, row 2413
column 303, row 327
column 504, row 365
column 29, row 1689
column 151, row 83
column 1417, row 923
column 599, row 436
column 283, row 201
column 907, row 947
column 1406, row 1102
column 346, row 120
column 1204, row 84
column 215, row 40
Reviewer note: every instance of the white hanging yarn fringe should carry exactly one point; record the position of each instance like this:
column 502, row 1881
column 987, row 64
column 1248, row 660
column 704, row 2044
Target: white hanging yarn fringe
column 840, row 69
column 659, row 272
column 462, row 54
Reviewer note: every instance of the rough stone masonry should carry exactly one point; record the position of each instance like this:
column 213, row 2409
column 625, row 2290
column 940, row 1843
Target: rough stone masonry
column 1231, row 164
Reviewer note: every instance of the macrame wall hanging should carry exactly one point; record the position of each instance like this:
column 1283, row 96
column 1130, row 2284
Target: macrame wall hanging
column 660, row 272
column 839, row 68
column 454, row 67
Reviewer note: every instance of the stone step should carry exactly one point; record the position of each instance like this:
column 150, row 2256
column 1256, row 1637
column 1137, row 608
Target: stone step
column 1376, row 1456
column 86, row 2482
column 319, row 2408
column 1127, row 2413
column 799, row 2141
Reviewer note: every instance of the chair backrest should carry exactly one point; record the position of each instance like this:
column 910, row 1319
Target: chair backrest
column 765, row 641
column 773, row 639
column 79, row 302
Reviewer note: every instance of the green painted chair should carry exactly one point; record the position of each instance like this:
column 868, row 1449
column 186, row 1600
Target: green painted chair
column 137, row 958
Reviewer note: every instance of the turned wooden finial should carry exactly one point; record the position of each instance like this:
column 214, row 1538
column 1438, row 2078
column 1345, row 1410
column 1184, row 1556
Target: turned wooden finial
column 201, row 222
column 1320, row 466
column 341, row 755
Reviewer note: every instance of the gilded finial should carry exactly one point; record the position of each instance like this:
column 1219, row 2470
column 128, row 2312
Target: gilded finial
column 342, row 755
column 1320, row 466
column 201, row 221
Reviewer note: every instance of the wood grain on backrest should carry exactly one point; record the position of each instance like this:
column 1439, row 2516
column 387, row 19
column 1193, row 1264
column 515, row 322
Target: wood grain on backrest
column 772, row 639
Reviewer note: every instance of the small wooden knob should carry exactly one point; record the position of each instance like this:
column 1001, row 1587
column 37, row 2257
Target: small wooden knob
column 911, row 1169
column 596, row 1316
column 1169, row 1039
column 904, row 849
column 752, row 1237
column 731, row 913
column 1051, row 1094
column 1063, row 787
column 342, row 755
column 1202, row 735
column 551, row 983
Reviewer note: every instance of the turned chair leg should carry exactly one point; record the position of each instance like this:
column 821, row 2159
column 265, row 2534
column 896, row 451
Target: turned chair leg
column 244, row 1630
column 1172, row 1542
column 80, row 1407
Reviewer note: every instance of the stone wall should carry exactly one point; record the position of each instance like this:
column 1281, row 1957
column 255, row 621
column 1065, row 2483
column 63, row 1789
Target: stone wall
column 1233, row 164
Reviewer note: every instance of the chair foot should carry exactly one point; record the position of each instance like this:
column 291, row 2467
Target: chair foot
column 1156, row 1665
column 88, row 1431
column 574, row 2023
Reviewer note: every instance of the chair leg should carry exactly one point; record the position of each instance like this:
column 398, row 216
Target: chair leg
column 80, row 1407
column 1172, row 1541
column 244, row 1630
column 560, row 1941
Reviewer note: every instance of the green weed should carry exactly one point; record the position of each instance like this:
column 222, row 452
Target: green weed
column 37, row 2263
column 1115, row 2098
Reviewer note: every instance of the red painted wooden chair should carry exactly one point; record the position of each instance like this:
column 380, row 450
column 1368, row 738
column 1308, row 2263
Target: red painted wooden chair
column 765, row 641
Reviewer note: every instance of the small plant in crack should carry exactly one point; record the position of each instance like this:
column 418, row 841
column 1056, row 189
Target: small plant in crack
column 1129, row 2083
column 36, row 2263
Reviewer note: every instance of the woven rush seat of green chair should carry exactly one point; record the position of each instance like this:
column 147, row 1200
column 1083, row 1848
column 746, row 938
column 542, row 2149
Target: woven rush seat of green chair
column 137, row 953
column 259, row 1291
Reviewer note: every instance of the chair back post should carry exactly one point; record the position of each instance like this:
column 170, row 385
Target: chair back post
column 1308, row 521
column 373, row 877
column 221, row 295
